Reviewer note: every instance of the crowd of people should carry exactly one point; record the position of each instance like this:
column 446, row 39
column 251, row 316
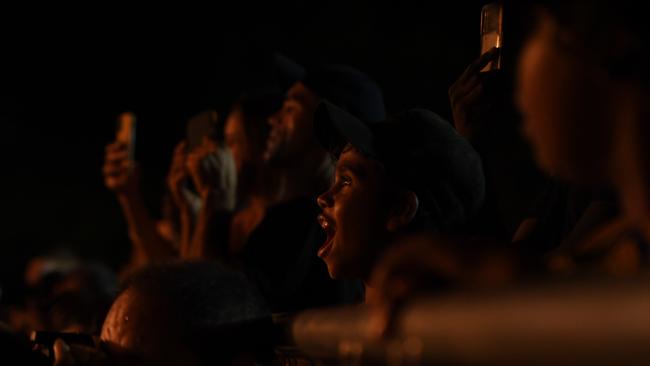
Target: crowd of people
column 308, row 194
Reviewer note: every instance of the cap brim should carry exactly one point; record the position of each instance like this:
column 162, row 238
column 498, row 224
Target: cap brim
column 335, row 128
column 287, row 71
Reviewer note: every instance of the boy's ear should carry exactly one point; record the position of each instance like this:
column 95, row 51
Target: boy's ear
column 403, row 212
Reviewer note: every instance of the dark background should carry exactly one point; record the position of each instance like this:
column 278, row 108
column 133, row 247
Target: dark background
column 66, row 77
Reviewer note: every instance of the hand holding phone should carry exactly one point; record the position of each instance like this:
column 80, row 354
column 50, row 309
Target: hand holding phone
column 44, row 341
column 119, row 170
column 471, row 97
column 213, row 173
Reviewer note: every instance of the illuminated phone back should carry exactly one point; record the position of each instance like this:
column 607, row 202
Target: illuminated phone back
column 491, row 32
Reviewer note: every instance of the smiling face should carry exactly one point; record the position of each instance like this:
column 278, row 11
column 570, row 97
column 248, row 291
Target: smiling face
column 355, row 213
column 292, row 128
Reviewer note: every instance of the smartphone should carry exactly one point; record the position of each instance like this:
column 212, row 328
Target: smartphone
column 47, row 338
column 125, row 132
column 492, row 32
column 199, row 126
column 43, row 341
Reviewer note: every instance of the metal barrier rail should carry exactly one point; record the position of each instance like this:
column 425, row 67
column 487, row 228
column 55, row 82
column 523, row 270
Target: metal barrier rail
column 595, row 324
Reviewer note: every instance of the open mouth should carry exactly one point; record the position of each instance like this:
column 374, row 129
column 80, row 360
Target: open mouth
column 273, row 142
column 328, row 225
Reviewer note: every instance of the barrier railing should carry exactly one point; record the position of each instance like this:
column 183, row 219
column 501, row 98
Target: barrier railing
column 595, row 324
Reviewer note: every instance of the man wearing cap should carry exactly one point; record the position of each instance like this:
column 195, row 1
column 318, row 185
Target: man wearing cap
column 292, row 146
column 281, row 253
column 409, row 174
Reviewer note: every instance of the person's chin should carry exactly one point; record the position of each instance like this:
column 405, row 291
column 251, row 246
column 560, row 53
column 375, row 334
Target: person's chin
column 273, row 148
column 270, row 153
column 331, row 268
column 339, row 271
column 556, row 165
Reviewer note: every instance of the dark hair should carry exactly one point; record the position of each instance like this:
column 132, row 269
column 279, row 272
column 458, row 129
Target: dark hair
column 80, row 297
column 423, row 219
column 614, row 31
column 215, row 307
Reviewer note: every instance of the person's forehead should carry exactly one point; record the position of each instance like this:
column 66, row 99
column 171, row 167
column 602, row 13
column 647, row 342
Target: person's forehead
column 353, row 160
column 300, row 93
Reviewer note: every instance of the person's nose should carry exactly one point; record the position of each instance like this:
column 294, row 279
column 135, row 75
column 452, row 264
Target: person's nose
column 325, row 199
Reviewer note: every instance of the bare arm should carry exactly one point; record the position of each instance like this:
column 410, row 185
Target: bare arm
column 122, row 177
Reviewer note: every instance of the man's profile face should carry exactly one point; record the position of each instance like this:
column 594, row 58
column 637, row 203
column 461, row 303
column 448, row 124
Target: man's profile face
column 355, row 212
column 292, row 128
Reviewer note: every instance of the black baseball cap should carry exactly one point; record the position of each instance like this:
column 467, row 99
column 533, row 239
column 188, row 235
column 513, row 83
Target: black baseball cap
column 347, row 88
column 419, row 150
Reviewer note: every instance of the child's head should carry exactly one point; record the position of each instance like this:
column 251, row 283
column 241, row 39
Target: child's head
column 410, row 173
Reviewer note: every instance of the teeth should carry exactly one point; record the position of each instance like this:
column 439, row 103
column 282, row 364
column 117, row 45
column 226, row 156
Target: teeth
column 323, row 222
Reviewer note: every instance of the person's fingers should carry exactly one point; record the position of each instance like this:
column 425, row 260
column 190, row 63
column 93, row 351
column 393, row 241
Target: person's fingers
column 482, row 61
column 177, row 177
column 115, row 169
column 178, row 163
column 201, row 156
column 115, row 146
column 192, row 162
column 178, row 170
column 193, row 165
column 453, row 90
column 213, row 147
column 470, row 83
column 181, row 147
column 475, row 67
column 467, row 73
column 178, row 159
column 197, row 153
column 180, row 154
column 471, row 97
column 209, row 143
column 461, row 90
column 62, row 354
column 467, row 82
column 116, row 155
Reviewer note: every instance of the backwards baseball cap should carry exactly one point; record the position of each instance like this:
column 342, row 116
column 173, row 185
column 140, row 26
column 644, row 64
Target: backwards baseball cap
column 349, row 89
column 420, row 151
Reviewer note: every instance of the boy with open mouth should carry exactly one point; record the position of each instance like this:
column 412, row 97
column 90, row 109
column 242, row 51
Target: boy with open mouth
column 411, row 174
